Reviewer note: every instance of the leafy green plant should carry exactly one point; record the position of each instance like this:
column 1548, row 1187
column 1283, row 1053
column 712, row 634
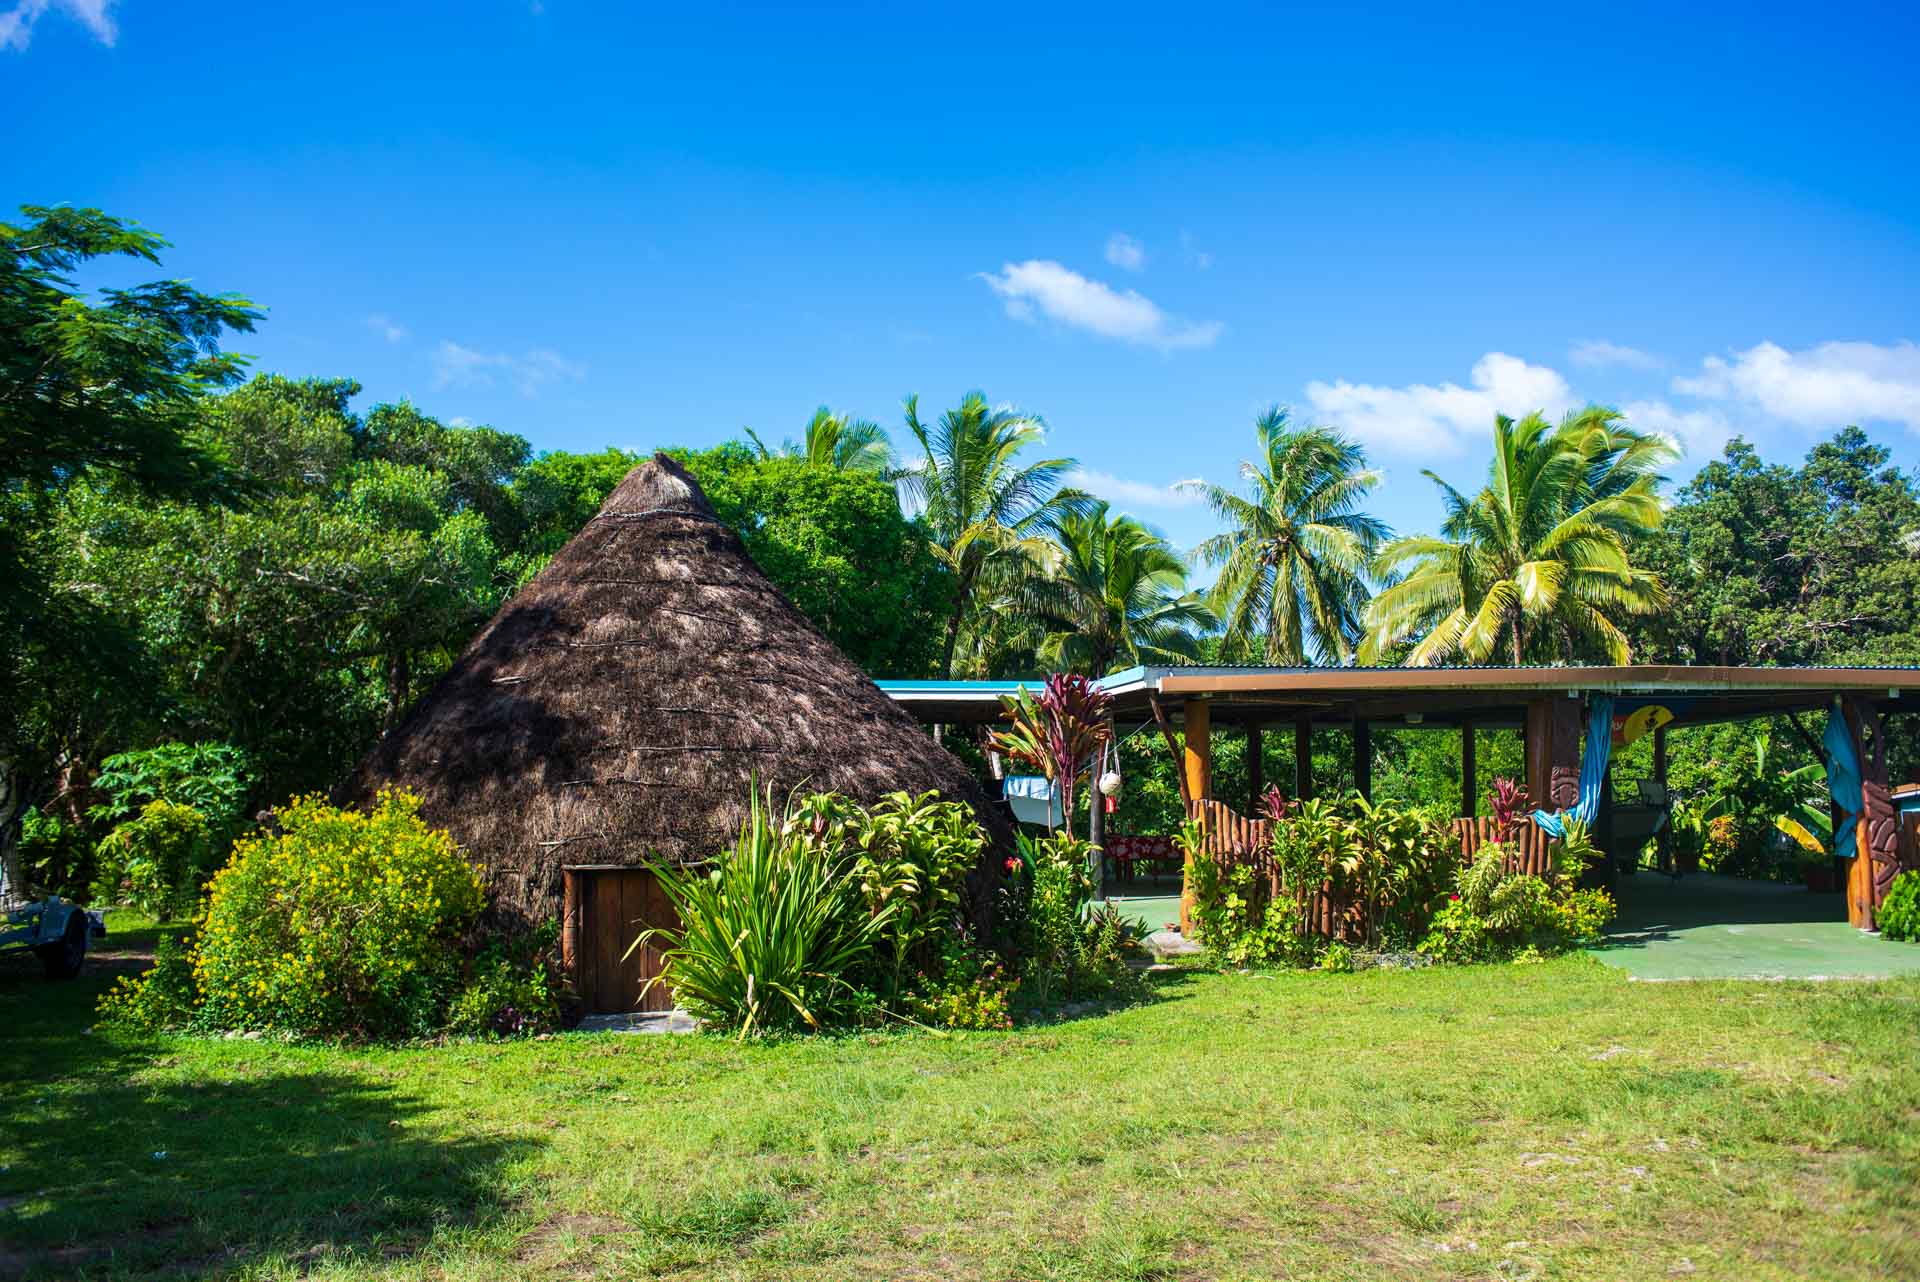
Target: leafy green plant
column 969, row 989
column 512, row 988
column 156, row 862
column 1899, row 915
column 341, row 923
column 56, row 856
column 213, row 778
column 161, row 998
column 912, row 856
column 772, row 933
column 1056, row 937
column 1496, row 914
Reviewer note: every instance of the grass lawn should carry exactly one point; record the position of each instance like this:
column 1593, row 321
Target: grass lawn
column 1551, row 1121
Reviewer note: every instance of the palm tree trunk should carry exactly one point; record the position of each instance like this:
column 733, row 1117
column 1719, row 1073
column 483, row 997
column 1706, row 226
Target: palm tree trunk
column 963, row 593
column 1519, row 644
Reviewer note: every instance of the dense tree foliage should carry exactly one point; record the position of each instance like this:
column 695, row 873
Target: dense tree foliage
column 1294, row 556
column 1540, row 564
column 90, row 386
column 1767, row 563
column 268, row 568
column 986, row 510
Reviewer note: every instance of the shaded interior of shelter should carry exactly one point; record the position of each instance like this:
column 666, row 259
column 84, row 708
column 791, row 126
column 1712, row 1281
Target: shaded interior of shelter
column 1544, row 706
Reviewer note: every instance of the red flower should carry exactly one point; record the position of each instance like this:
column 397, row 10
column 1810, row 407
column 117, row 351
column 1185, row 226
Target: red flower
column 1013, row 865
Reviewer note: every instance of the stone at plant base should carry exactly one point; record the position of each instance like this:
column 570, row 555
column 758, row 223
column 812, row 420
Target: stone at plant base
column 1171, row 943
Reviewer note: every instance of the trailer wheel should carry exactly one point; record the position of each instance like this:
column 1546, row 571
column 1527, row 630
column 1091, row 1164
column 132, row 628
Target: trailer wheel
column 62, row 960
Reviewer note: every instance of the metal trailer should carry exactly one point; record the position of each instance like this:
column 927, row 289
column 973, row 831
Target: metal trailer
column 55, row 929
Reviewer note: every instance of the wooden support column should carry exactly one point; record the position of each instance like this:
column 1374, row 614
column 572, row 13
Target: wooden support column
column 1199, row 754
column 1662, row 840
column 1363, row 757
column 1256, row 770
column 1469, row 774
column 1553, row 752
column 1302, row 758
column 1197, row 769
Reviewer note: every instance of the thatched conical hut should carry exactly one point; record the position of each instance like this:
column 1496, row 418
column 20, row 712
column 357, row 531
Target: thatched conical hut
column 617, row 707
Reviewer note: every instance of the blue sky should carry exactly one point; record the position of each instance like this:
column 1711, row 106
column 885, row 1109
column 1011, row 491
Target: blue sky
column 625, row 224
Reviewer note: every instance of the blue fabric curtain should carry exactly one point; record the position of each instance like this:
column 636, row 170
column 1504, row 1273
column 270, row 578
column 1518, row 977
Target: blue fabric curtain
column 1593, row 768
column 1843, row 780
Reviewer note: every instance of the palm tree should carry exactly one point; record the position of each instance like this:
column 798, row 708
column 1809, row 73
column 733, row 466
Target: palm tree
column 1116, row 595
column 1292, row 563
column 1538, row 560
column 986, row 512
column 839, row 441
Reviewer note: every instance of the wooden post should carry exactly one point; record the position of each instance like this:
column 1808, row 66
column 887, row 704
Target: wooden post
column 1199, row 754
column 1469, row 779
column 570, row 928
column 1302, row 758
column 1363, row 757
column 1553, row 752
column 1097, row 825
column 1256, row 781
column 1662, row 840
column 1198, row 773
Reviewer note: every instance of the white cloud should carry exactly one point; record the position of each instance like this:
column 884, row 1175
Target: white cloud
column 1825, row 386
column 1133, row 493
column 388, row 328
column 1041, row 287
column 1699, row 433
column 1197, row 258
column 1598, row 353
column 1124, row 251
column 16, row 25
column 457, row 366
column 1426, row 419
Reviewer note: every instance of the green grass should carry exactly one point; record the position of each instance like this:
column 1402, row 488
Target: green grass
column 1549, row 1121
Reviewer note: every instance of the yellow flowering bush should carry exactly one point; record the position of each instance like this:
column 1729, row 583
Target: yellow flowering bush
column 340, row 923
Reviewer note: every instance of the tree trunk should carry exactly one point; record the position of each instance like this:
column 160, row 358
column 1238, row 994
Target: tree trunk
column 963, row 592
column 399, row 686
column 12, row 804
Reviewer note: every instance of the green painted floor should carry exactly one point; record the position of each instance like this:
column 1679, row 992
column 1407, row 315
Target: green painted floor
column 1151, row 912
column 1708, row 927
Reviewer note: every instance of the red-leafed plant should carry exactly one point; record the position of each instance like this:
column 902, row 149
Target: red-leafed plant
column 1510, row 805
column 1057, row 734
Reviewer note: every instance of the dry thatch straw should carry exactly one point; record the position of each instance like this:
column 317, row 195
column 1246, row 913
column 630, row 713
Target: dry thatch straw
column 616, row 708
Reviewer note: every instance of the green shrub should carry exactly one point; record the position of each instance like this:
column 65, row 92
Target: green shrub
column 512, row 988
column 163, row 998
column 972, row 989
column 213, row 778
column 156, row 862
column 913, row 856
column 1498, row 915
column 772, row 933
column 1388, row 865
column 342, row 923
column 56, row 857
column 1899, row 915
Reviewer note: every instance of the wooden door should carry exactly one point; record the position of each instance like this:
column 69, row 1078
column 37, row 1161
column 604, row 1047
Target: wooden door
column 615, row 906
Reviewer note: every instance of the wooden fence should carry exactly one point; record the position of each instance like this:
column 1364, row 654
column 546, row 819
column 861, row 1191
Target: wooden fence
column 1234, row 840
column 1532, row 849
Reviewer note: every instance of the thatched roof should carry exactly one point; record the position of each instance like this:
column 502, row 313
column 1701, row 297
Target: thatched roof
column 616, row 708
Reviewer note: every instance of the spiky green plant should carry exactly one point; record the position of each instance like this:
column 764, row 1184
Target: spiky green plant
column 769, row 933
column 1538, row 564
column 1293, row 561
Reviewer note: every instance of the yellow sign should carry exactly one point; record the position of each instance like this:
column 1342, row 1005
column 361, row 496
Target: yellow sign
column 1638, row 722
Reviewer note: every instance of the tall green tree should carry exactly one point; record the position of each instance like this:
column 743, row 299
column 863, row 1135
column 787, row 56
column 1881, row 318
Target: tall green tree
column 836, row 543
column 1767, row 563
column 1542, row 562
column 1293, row 559
column 1115, row 596
column 986, row 510
column 94, row 389
column 838, row 441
